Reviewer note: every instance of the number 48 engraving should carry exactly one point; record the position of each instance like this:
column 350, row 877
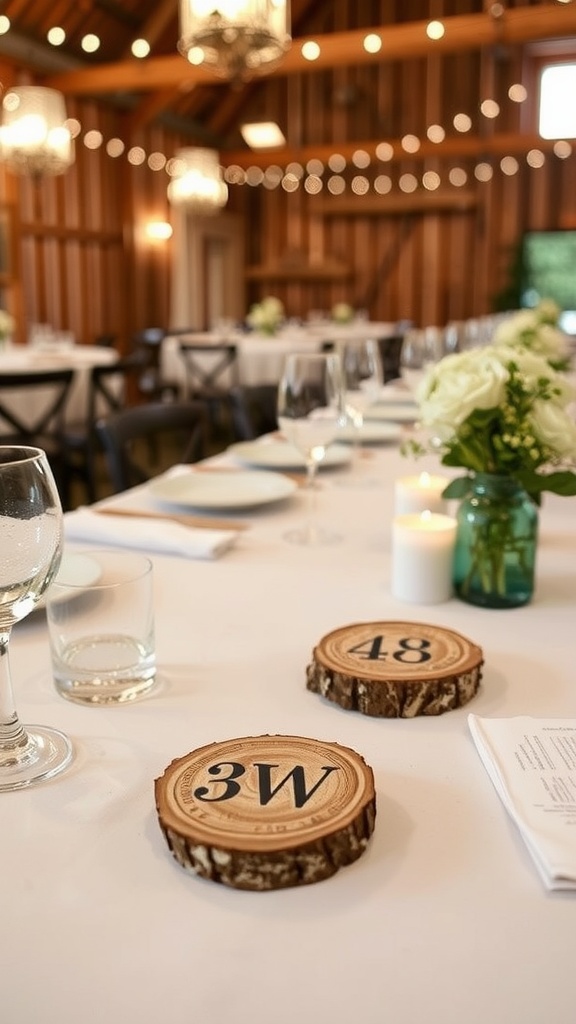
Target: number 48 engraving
column 411, row 650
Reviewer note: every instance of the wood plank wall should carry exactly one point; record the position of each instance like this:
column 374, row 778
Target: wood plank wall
column 83, row 262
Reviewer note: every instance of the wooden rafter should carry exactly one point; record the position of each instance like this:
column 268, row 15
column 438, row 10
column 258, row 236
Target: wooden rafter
column 459, row 147
column 338, row 49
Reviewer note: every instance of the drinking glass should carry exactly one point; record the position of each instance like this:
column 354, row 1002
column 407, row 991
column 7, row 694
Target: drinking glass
column 310, row 410
column 31, row 542
column 363, row 377
column 421, row 348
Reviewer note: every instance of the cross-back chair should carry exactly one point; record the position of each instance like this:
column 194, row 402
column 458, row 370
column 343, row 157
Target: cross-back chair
column 152, row 386
column 179, row 428
column 43, row 395
column 211, row 375
column 110, row 387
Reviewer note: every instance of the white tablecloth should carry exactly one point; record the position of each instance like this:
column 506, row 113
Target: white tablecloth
column 443, row 920
column 261, row 358
column 80, row 358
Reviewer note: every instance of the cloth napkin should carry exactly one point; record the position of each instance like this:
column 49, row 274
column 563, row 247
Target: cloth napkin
column 532, row 765
column 147, row 534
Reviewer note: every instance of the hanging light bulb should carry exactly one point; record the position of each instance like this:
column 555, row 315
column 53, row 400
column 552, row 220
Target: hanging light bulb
column 34, row 138
column 236, row 38
column 197, row 181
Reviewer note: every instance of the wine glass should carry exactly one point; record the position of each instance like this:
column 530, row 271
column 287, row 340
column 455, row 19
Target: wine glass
column 310, row 410
column 31, row 541
column 363, row 378
column 421, row 348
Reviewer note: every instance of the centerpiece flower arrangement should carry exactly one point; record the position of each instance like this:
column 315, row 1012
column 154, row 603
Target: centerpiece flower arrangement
column 536, row 330
column 266, row 316
column 342, row 313
column 501, row 413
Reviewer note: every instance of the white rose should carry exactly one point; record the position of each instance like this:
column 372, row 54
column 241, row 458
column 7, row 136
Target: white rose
column 461, row 383
column 554, row 428
column 548, row 311
column 534, row 368
column 508, row 330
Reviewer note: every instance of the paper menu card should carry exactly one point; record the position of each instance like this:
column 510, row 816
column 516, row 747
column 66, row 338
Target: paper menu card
column 532, row 764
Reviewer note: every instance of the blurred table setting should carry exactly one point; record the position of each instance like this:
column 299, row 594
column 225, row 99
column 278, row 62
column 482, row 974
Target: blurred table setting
column 50, row 354
column 261, row 356
column 446, row 877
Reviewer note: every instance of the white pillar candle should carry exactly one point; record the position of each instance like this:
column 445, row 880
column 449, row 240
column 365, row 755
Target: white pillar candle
column 420, row 494
column 422, row 556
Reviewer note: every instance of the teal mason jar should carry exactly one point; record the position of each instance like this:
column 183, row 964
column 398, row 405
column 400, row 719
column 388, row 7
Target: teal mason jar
column 496, row 540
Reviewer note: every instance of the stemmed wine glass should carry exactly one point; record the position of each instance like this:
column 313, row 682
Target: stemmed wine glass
column 310, row 410
column 363, row 377
column 421, row 349
column 31, row 541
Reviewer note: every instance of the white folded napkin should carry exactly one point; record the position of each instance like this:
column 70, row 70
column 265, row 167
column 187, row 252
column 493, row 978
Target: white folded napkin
column 532, row 765
column 147, row 534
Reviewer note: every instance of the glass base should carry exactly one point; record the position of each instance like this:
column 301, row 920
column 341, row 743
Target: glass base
column 46, row 753
column 312, row 536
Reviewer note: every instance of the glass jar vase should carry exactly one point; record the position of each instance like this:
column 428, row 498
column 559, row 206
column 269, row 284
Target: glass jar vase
column 496, row 541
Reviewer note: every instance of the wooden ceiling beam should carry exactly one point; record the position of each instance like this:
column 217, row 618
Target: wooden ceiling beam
column 461, row 147
column 338, row 49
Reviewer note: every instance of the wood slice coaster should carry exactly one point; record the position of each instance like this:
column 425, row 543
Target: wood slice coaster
column 267, row 812
column 396, row 669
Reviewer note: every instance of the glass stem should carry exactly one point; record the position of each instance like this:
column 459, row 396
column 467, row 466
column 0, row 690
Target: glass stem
column 12, row 735
column 311, row 466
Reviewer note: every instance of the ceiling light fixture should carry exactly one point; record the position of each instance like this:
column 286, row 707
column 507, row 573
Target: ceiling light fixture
column 262, row 135
column 197, row 182
column 237, row 38
column 34, row 138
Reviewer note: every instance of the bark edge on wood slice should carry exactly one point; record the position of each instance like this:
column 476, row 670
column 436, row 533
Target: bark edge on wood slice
column 267, row 812
column 395, row 669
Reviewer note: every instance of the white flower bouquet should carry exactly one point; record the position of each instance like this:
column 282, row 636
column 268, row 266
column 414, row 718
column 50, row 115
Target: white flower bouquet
column 535, row 330
column 266, row 316
column 342, row 313
column 500, row 410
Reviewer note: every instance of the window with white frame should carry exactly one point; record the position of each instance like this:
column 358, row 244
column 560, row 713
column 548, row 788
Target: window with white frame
column 557, row 106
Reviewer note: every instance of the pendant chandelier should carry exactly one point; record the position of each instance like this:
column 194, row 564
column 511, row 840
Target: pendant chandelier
column 34, row 138
column 236, row 38
column 197, row 182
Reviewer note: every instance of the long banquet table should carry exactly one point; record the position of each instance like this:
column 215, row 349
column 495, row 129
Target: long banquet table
column 261, row 358
column 443, row 919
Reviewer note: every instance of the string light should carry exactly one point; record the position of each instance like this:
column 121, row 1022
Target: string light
column 291, row 177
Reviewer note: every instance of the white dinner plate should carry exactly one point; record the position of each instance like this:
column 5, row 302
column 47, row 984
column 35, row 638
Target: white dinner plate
column 283, row 455
column 224, row 489
column 79, row 570
column 371, row 432
column 394, row 413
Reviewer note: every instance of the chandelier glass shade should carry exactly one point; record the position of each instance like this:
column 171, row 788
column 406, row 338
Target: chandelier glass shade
column 197, row 182
column 34, row 138
column 235, row 38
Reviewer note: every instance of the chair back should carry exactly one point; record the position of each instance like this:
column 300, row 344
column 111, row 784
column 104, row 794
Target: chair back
column 211, row 369
column 390, row 356
column 125, row 437
column 36, row 412
column 253, row 410
column 112, row 385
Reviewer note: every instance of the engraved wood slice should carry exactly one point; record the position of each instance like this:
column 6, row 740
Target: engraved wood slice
column 267, row 812
column 396, row 669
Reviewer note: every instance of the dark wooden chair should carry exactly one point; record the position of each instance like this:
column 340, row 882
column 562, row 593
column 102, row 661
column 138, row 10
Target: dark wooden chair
column 253, row 410
column 390, row 356
column 43, row 395
column 179, row 428
column 111, row 387
column 211, row 377
column 152, row 386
